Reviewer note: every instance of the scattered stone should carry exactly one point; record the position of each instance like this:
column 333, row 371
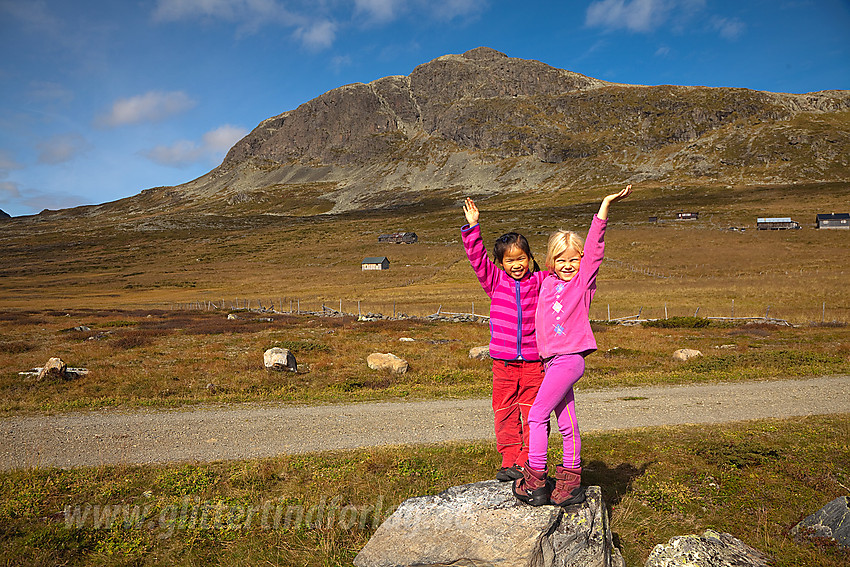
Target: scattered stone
column 386, row 361
column 406, row 340
column 277, row 358
column 82, row 328
column 54, row 368
column 726, row 346
column 479, row 352
column 684, row 354
column 483, row 524
column 711, row 549
column 211, row 388
column 231, row 317
column 831, row 522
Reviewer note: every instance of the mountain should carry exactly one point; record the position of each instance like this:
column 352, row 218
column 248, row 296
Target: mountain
column 484, row 123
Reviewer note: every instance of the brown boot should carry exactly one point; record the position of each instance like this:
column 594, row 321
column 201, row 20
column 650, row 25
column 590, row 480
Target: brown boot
column 568, row 489
column 533, row 487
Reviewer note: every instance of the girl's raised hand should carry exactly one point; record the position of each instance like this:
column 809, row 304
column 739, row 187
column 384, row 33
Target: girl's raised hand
column 619, row 196
column 603, row 208
column 471, row 212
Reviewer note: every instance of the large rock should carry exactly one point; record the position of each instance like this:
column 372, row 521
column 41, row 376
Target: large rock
column 711, row 549
column 480, row 352
column 684, row 354
column 483, row 524
column 831, row 522
column 386, row 361
column 53, row 368
column 277, row 358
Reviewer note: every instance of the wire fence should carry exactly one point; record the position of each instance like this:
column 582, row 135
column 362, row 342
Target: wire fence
column 395, row 310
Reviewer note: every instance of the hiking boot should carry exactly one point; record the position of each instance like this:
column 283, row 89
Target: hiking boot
column 509, row 473
column 533, row 487
column 568, row 489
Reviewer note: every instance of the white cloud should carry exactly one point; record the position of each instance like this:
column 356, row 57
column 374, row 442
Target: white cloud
column 222, row 138
column 229, row 10
column 637, row 15
column 729, row 28
column 377, row 10
column 318, row 35
column 451, row 9
column 9, row 190
column 61, row 148
column 214, row 144
column 153, row 106
column 7, row 164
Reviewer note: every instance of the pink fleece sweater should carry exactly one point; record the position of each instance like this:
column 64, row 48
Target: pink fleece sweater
column 563, row 309
column 512, row 302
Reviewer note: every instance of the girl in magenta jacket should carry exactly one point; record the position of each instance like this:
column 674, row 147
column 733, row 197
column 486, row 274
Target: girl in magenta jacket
column 564, row 338
column 517, row 367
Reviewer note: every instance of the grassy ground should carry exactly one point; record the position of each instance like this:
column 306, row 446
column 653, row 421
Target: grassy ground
column 754, row 480
column 126, row 261
column 168, row 358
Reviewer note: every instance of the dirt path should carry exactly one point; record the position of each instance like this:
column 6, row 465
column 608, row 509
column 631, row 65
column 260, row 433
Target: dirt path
column 261, row 430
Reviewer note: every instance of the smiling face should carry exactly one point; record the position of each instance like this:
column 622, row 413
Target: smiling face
column 515, row 262
column 567, row 264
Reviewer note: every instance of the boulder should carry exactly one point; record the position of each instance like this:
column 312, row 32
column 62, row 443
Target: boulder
column 53, row 368
column 483, row 524
column 277, row 358
column 711, row 549
column 386, row 361
column 479, row 352
column 684, row 354
column 831, row 522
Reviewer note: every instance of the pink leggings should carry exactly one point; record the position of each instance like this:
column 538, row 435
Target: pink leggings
column 556, row 394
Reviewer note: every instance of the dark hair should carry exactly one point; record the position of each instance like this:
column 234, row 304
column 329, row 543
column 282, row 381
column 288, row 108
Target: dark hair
column 508, row 241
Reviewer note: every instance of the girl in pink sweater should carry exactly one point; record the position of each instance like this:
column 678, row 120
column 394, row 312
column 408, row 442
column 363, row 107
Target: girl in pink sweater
column 517, row 368
column 564, row 338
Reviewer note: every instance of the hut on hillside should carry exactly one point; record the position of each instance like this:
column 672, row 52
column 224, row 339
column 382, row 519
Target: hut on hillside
column 833, row 220
column 776, row 223
column 375, row 263
column 687, row 216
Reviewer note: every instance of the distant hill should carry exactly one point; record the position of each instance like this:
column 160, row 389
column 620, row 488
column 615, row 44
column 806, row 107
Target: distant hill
column 485, row 123
column 4, row 215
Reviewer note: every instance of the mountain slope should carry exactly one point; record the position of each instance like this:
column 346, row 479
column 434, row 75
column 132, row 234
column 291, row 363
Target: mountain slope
column 483, row 123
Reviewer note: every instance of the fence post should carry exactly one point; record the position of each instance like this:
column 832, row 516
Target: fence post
column 733, row 308
column 665, row 309
column 823, row 313
column 609, row 312
column 696, row 312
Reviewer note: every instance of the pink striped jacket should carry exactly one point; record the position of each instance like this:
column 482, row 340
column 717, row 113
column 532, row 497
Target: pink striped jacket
column 512, row 302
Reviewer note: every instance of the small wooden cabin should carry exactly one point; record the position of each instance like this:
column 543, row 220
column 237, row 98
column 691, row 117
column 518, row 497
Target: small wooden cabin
column 399, row 238
column 776, row 223
column 833, row 220
column 687, row 216
column 375, row 263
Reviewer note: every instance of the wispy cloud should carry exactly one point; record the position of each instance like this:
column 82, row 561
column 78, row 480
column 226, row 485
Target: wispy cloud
column 729, row 28
column 35, row 14
column 637, row 15
column 7, row 164
column 317, row 35
column 212, row 147
column 379, row 11
column 450, row 9
column 9, row 191
column 153, row 106
column 61, row 148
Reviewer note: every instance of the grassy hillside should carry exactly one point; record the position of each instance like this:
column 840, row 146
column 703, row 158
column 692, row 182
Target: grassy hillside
column 119, row 259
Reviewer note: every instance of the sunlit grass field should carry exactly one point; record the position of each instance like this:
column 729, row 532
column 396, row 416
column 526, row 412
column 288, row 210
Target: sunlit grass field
column 169, row 358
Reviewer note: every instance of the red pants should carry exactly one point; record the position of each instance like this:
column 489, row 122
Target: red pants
column 515, row 384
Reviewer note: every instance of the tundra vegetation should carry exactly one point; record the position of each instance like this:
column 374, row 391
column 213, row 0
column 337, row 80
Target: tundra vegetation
column 102, row 291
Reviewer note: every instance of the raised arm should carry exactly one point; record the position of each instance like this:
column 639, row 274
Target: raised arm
column 606, row 202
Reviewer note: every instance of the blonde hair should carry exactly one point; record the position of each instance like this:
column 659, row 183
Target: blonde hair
column 560, row 241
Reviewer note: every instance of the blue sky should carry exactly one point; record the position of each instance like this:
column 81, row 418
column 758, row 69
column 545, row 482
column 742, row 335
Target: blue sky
column 101, row 99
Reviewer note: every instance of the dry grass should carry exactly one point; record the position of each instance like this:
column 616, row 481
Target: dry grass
column 168, row 358
column 754, row 480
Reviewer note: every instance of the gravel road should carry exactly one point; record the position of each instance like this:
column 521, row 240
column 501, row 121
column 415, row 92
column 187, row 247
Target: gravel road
column 261, row 430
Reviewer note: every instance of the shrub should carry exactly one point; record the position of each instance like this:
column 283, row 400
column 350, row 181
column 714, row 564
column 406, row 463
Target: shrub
column 679, row 323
